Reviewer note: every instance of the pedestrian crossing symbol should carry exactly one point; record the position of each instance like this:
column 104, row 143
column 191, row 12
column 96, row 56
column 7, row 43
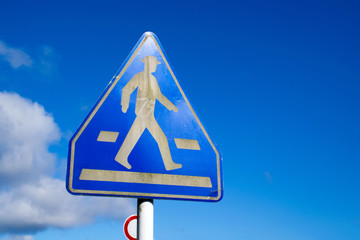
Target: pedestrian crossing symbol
column 143, row 139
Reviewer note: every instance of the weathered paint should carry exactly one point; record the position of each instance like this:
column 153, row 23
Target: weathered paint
column 151, row 133
column 147, row 178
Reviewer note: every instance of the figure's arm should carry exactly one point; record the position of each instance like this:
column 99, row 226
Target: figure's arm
column 127, row 91
column 166, row 102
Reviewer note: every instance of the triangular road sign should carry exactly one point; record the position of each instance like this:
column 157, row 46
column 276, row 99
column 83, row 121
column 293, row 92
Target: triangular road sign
column 143, row 139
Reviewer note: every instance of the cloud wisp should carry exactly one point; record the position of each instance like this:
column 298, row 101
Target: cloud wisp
column 41, row 64
column 19, row 237
column 268, row 177
column 14, row 56
column 31, row 199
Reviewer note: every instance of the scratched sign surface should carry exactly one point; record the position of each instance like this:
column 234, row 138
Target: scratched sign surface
column 142, row 138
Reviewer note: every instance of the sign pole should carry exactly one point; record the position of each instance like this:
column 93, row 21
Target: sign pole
column 145, row 220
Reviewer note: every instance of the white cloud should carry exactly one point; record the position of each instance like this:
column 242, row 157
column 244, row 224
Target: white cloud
column 31, row 199
column 46, row 203
column 15, row 57
column 26, row 131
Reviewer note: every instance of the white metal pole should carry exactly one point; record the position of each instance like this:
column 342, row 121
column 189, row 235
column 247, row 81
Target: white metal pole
column 145, row 219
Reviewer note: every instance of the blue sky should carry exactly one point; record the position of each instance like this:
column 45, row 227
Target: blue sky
column 275, row 83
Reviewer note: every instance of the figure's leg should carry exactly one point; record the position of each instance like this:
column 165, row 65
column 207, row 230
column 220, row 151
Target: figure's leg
column 129, row 143
column 163, row 144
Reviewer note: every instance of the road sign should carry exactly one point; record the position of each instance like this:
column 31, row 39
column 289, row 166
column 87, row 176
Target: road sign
column 130, row 227
column 143, row 138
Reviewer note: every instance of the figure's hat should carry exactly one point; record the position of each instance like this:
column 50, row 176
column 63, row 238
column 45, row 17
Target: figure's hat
column 150, row 59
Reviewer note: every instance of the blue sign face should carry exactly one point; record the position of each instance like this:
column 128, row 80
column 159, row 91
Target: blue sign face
column 143, row 139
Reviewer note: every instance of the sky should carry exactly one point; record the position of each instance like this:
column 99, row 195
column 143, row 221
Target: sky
column 275, row 83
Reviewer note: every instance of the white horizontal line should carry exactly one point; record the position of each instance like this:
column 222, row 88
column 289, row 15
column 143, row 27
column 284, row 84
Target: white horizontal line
column 107, row 136
column 147, row 178
column 187, row 144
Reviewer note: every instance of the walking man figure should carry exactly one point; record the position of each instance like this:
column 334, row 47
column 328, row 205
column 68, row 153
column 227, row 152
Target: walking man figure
column 147, row 94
